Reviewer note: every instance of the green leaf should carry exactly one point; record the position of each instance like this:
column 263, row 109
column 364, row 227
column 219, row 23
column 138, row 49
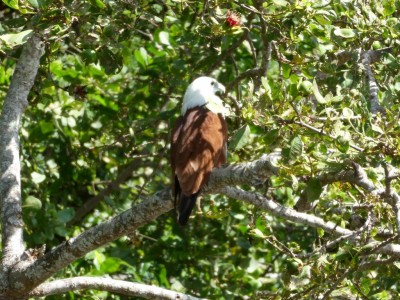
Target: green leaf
column 389, row 7
column 267, row 87
column 296, row 147
column 15, row 39
column 313, row 190
column 376, row 128
column 142, row 57
column 317, row 94
column 99, row 258
column 110, row 61
column 385, row 295
column 280, row 2
column 164, row 38
column 46, row 127
column 271, row 136
column 343, row 143
column 257, row 232
column 365, row 285
column 11, row 3
column 65, row 215
column 347, row 112
column 37, row 177
column 345, row 32
column 323, row 20
column 98, row 3
column 34, row 3
column 33, row 203
column 104, row 101
column 163, row 277
column 240, row 138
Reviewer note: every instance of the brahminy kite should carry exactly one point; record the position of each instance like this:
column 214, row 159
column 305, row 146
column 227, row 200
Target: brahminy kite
column 198, row 142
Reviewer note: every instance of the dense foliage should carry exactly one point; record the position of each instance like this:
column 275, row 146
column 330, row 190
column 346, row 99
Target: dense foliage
column 96, row 132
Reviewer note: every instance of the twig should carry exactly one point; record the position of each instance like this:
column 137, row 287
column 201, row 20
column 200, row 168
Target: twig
column 321, row 131
column 356, row 176
column 374, row 247
column 377, row 263
column 228, row 52
column 336, row 283
column 90, row 204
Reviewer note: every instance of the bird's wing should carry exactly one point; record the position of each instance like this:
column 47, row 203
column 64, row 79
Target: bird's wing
column 198, row 147
column 176, row 131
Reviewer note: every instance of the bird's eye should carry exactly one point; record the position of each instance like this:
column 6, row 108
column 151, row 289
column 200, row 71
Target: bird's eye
column 212, row 82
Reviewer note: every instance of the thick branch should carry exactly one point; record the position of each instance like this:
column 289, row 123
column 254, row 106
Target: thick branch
column 373, row 87
column 251, row 173
column 10, row 180
column 28, row 277
column 69, row 251
column 107, row 284
column 221, row 180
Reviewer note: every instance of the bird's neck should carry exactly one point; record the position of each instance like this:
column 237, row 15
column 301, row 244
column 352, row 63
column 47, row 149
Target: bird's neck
column 212, row 102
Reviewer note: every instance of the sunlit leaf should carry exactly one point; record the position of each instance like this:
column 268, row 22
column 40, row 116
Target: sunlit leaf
column 37, row 177
column 15, row 39
column 347, row 113
column 389, row 7
column 280, row 2
column 33, row 202
column 11, row 3
column 317, row 94
column 142, row 57
column 98, row 3
column 345, row 32
column 240, row 139
column 164, row 38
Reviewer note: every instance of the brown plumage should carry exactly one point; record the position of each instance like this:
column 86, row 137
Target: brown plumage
column 198, row 144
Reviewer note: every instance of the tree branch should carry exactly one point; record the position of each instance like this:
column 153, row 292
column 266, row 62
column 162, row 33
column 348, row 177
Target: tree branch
column 221, row 181
column 356, row 176
column 285, row 212
column 89, row 205
column 310, row 220
column 40, row 270
column 107, row 284
column 373, row 86
column 28, row 277
column 251, row 173
column 10, row 180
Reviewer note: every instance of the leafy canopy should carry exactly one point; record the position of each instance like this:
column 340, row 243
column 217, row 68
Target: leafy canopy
column 110, row 86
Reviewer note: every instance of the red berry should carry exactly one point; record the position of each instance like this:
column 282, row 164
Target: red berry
column 233, row 18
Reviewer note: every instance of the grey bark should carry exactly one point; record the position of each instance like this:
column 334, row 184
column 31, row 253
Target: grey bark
column 10, row 180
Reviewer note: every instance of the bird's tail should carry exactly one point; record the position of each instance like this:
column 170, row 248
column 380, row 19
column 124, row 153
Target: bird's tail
column 186, row 205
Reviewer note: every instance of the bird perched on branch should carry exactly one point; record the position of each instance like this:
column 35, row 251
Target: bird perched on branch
column 198, row 142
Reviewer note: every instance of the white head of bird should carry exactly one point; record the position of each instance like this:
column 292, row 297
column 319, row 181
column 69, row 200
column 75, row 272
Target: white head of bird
column 202, row 91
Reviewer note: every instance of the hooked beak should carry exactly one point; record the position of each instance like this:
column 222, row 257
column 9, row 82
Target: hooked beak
column 220, row 89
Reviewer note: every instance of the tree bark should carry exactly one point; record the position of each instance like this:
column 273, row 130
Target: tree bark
column 10, row 180
column 110, row 285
